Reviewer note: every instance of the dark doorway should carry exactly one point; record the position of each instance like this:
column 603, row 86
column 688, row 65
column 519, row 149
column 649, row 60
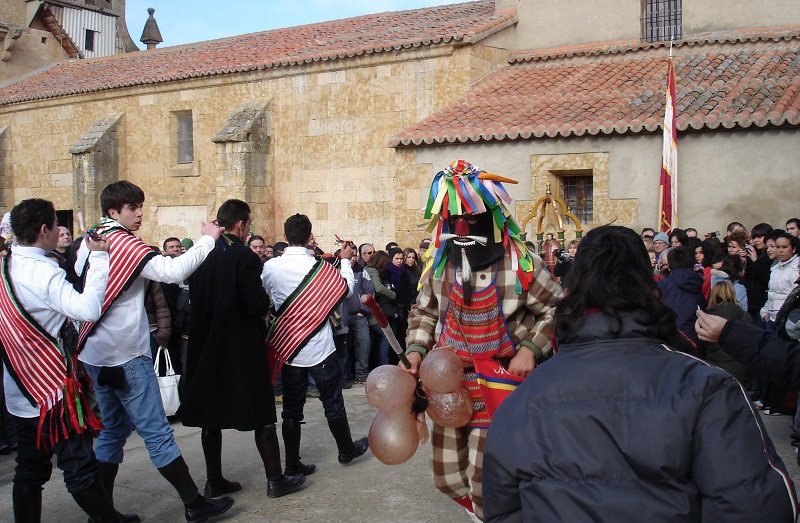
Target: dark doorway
column 65, row 220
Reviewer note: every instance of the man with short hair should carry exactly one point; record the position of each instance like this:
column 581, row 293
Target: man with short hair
column 278, row 248
column 648, row 233
column 366, row 251
column 172, row 247
column 37, row 303
column 423, row 248
column 64, row 240
column 268, row 252
column 691, row 232
column 227, row 375
column 256, row 244
column 793, row 227
column 300, row 340
column 116, row 348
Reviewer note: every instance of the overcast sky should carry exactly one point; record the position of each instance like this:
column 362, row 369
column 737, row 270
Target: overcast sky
column 182, row 21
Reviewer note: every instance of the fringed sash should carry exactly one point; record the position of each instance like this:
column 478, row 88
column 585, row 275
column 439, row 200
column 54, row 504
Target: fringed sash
column 128, row 256
column 303, row 314
column 41, row 368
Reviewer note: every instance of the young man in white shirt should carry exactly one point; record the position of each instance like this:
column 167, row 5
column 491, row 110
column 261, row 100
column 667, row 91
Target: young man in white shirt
column 281, row 277
column 39, row 287
column 116, row 349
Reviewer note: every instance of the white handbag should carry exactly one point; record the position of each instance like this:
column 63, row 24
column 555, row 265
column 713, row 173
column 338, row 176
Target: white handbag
column 168, row 384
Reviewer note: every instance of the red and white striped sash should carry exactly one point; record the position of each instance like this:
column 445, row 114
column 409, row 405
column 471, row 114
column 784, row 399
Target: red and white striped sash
column 127, row 256
column 41, row 368
column 33, row 356
column 303, row 313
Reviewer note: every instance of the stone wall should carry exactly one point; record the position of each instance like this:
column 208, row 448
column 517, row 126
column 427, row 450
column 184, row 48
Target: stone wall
column 23, row 50
column 320, row 147
column 553, row 23
column 746, row 175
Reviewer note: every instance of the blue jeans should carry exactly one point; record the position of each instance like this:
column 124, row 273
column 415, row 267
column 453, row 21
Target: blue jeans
column 383, row 344
column 137, row 404
column 359, row 328
column 327, row 376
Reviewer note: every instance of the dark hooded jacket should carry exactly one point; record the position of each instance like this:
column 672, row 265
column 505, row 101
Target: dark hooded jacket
column 682, row 291
column 618, row 427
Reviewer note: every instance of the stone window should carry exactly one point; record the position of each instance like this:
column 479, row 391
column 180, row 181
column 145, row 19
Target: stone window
column 661, row 20
column 89, row 40
column 578, row 194
column 185, row 138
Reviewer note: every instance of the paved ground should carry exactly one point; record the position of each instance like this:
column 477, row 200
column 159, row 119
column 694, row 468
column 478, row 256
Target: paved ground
column 366, row 491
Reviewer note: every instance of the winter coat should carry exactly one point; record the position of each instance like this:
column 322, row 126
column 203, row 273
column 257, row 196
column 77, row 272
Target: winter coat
column 781, row 282
column 618, row 427
column 682, row 291
column 714, row 351
column 227, row 374
column 158, row 316
column 758, row 283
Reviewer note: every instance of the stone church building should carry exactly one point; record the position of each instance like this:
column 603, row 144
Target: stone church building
column 347, row 121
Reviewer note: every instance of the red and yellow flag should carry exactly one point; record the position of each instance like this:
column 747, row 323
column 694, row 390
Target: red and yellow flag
column 668, row 203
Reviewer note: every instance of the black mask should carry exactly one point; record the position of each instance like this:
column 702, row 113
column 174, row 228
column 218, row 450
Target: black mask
column 479, row 256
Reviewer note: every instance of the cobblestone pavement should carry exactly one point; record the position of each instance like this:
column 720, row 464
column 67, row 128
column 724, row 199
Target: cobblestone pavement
column 366, row 491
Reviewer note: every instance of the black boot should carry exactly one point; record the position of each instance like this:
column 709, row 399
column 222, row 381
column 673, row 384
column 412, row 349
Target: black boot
column 278, row 483
column 198, row 508
column 27, row 503
column 216, row 485
column 291, row 442
column 95, row 502
column 348, row 449
column 107, row 475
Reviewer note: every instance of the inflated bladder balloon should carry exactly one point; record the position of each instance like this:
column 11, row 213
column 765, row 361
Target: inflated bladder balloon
column 453, row 409
column 393, row 436
column 388, row 387
column 441, row 370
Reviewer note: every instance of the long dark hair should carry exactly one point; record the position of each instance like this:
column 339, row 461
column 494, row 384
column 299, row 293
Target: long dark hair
column 612, row 273
column 417, row 268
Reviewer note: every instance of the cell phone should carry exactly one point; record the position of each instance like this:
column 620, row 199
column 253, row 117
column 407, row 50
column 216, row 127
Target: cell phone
column 714, row 234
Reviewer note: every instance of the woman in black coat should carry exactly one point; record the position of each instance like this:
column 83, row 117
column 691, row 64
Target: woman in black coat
column 619, row 426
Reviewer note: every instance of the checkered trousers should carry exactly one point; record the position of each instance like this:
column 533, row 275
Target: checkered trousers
column 457, row 462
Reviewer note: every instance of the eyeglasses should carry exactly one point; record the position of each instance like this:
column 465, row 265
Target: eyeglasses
column 370, row 253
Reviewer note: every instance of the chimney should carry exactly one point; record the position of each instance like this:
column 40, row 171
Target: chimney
column 151, row 36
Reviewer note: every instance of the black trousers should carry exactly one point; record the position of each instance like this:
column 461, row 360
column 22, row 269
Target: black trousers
column 34, row 466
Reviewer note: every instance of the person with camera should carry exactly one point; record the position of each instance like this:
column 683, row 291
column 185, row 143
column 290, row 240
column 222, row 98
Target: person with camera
column 564, row 260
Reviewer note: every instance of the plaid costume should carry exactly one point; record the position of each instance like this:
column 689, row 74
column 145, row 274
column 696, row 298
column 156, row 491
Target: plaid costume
column 457, row 462
column 457, row 454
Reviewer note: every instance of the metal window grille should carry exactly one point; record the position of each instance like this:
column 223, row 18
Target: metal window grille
column 185, row 139
column 578, row 194
column 661, row 20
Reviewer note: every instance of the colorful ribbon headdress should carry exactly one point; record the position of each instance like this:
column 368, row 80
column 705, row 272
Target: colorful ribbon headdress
column 463, row 188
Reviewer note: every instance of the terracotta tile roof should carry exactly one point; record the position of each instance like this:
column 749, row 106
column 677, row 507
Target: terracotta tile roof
column 736, row 79
column 466, row 22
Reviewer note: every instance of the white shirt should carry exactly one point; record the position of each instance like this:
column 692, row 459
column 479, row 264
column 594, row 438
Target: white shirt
column 280, row 278
column 40, row 285
column 124, row 332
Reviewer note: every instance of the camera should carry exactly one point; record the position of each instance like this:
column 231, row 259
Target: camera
column 714, row 234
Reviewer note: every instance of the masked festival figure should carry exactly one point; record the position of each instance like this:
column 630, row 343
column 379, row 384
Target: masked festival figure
column 483, row 293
